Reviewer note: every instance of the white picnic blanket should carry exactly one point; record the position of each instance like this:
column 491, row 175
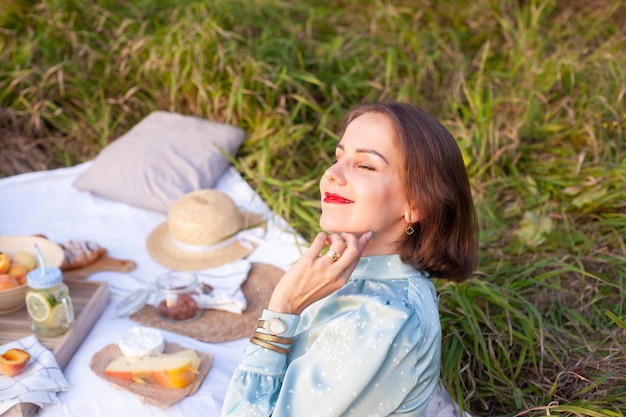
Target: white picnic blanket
column 46, row 203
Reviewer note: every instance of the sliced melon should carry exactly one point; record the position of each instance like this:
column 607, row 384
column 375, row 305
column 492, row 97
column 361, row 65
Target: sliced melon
column 174, row 370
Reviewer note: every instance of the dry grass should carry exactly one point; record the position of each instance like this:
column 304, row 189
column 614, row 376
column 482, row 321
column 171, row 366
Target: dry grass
column 23, row 149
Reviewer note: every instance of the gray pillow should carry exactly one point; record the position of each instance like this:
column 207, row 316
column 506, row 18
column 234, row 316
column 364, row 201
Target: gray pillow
column 163, row 157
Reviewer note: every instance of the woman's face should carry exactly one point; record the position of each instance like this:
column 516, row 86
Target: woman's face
column 363, row 190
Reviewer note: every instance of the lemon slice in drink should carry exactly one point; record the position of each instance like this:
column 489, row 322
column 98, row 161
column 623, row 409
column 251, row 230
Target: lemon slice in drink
column 57, row 316
column 37, row 306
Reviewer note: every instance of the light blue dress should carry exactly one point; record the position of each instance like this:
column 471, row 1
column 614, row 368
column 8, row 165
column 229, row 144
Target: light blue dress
column 372, row 348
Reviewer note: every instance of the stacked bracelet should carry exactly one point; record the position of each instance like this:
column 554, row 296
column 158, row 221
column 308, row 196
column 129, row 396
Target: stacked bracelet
column 267, row 340
column 271, row 338
column 269, row 346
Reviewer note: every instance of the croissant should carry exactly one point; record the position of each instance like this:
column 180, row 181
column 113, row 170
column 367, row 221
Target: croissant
column 80, row 253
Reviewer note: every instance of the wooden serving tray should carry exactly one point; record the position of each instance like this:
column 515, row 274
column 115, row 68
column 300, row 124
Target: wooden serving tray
column 89, row 299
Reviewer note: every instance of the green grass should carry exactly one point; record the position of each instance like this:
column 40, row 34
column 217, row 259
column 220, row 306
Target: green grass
column 533, row 91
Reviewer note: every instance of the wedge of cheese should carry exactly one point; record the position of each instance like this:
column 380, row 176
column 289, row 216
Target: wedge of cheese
column 174, row 370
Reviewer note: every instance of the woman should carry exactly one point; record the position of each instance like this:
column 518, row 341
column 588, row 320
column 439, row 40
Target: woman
column 356, row 331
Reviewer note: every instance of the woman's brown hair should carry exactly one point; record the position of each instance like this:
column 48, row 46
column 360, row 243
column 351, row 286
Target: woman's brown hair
column 445, row 241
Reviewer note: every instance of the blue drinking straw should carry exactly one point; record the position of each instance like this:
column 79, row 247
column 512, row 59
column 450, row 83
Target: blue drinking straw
column 42, row 261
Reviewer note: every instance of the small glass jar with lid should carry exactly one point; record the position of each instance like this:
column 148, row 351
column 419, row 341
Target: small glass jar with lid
column 177, row 296
column 48, row 302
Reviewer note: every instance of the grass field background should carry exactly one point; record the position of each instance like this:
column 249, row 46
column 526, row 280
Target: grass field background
column 533, row 91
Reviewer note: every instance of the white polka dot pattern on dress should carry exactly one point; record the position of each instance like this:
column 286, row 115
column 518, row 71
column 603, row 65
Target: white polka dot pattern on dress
column 371, row 348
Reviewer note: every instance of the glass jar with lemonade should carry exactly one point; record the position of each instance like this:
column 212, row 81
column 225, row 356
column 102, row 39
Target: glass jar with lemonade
column 48, row 302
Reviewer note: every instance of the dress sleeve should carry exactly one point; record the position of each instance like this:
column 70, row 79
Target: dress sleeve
column 258, row 379
column 362, row 362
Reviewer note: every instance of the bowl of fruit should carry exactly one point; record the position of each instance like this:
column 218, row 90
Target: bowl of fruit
column 18, row 256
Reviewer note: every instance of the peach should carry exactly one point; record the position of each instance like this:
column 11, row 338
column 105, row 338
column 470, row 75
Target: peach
column 24, row 258
column 13, row 361
column 22, row 279
column 7, row 281
column 4, row 262
column 19, row 272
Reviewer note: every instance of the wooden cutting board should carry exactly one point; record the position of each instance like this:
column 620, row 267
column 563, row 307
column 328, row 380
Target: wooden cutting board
column 89, row 299
column 103, row 263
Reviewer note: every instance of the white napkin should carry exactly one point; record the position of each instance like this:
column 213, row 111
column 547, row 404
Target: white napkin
column 38, row 383
column 226, row 282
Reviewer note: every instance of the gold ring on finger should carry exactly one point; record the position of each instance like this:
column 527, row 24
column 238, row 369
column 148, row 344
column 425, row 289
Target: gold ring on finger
column 333, row 255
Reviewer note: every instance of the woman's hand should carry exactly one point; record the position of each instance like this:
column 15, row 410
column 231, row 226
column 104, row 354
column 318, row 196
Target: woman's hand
column 314, row 277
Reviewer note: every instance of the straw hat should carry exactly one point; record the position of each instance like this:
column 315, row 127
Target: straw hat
column 203, row 230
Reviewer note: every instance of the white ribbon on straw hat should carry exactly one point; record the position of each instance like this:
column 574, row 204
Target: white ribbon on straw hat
column 247, row 238
column 204, row 229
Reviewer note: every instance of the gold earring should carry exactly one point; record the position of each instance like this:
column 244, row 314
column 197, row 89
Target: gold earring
column 410, row 230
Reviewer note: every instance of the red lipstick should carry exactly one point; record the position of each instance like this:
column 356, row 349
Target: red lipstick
column 336, row 199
